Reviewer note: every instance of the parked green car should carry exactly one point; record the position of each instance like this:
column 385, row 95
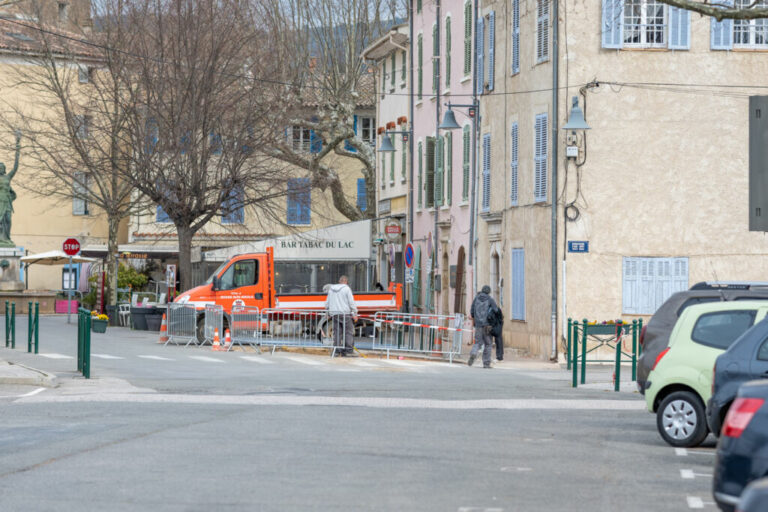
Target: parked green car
column 680, row 382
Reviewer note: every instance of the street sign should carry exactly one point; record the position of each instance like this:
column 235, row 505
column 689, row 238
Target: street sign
column 71, row 247
column 392, row 275
column 578, row 246
column 393, row 230
column 409, row 254
column 410, row 275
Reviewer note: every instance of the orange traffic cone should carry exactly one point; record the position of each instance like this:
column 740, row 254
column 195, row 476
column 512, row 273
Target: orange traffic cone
column 227, row 340
column 216, row 345
column 163, row 331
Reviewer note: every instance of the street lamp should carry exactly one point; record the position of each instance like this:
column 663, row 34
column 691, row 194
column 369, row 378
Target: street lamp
column 449, row 119
column 386, row 140
column 576, row 119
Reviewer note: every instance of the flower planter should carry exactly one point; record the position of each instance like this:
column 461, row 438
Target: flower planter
column 98, row 325
column 153, row 321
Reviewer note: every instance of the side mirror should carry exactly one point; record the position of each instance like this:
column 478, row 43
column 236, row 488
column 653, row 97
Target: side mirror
column 216, row 283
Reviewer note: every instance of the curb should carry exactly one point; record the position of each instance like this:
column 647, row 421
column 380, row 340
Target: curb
column 18, row 374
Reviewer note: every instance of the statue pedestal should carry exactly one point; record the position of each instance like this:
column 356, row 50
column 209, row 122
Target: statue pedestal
column 10, row 262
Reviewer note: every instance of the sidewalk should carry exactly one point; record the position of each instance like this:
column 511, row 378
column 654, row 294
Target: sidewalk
column 18, row 374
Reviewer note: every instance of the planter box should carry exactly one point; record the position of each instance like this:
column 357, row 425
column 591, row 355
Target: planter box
column 153, row 321
column 61, row 306
column 98, row 325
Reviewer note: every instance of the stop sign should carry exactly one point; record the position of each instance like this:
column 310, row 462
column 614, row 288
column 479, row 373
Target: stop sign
column 71, row 246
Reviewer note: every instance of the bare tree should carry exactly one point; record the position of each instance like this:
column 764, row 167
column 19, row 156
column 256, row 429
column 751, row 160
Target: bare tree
column 321, row 42
column 721, row 10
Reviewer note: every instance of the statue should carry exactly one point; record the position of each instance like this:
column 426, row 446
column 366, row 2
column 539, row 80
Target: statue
column 8, row 196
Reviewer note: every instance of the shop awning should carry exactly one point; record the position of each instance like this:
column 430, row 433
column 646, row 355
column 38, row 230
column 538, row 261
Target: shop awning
column 54, row 258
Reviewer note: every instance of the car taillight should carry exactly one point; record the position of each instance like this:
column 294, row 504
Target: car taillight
column 740, row 414
column 642, row 336
column 658, row 357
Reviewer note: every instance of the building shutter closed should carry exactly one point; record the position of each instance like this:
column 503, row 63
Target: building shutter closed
column 515, row 36
column 518, row 284
column 486, row 204
column 480, row 70
column 362, row 195
column 491, row 49
column 613, row 24
column 465, row 164
column 449, row 166
column 513, row 164
column 648, row 282
column 679, row 29
column 467, row 38
column 721, row 32
column 540, row 158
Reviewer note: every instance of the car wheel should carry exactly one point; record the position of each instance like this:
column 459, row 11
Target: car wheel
column 200, row 331
column 680, row 419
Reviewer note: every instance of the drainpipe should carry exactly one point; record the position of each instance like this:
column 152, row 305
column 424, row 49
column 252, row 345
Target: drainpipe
column 412, row 138
column 555, row 97
column 435, row 238
column 475, row 139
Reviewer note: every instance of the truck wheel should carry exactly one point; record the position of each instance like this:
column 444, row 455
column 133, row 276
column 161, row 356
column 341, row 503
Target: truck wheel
column 200, row 331
column 680, row 419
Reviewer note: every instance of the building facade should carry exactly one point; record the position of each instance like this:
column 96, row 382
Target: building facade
column 653, row 197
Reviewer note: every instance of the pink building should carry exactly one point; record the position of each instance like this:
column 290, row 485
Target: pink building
column 443, row 50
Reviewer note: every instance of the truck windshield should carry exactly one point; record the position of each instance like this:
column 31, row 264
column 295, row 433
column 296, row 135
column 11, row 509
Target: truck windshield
column 216, row 272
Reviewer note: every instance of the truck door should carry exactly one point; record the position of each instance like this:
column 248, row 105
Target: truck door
column 241, row 284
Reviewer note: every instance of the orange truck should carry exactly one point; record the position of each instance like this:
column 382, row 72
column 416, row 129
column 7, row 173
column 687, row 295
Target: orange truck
column 249, row 280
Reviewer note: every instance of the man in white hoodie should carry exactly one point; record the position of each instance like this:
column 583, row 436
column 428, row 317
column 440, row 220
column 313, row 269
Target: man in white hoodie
column 340, row 304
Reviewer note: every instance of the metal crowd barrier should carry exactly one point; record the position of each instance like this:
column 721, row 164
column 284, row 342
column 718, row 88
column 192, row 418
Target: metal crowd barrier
column 214, row 319
column 437, row 335
column 301, row 328
column 182, row 324
column 245, row 326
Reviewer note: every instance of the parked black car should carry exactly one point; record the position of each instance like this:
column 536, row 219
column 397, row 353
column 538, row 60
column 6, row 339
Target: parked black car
column 654, row 337
column 746, row 359
column 742, row 451
column 755, row 497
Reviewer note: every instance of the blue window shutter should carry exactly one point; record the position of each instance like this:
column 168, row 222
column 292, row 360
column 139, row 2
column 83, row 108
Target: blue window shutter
column 161, row 216
column 613, row 23
column 518, row 284
column 491, row 49
column 315, row 142
column 721, row 32
column 305, row 201
column 679, row 29
column 347, row 145
column 480, row 51
column 515, row 36
column 630, row 286
column 486, row 205
column 513, row 164
column 362, row 197
column 234, row 206
column 214, row 139
column 292, row 207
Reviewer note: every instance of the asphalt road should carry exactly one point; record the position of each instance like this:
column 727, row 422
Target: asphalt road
column 173, row 428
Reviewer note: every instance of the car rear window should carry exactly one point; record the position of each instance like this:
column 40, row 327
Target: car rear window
column 721, row 328
column 697, row 300
column 762, row 354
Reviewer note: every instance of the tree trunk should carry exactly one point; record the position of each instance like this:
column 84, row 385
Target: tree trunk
column 185, row 256
column 112, row 260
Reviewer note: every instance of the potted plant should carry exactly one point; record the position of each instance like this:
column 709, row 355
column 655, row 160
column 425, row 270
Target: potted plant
column 99, row 322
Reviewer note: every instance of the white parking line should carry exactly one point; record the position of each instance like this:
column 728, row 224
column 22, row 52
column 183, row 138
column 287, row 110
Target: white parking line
column 157, row 358
column 689, row 474
column 56, row 356
column 302, row 360
column 206, row 359
column 681, row 452
column 257, row 359
column 106, row 356
column 396, row 362
column 696, row 502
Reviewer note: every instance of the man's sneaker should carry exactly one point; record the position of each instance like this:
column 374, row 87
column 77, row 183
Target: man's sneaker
column 471, row 359
column 487, row 366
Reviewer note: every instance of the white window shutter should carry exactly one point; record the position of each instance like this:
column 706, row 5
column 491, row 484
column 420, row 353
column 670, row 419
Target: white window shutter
column 679, row 29
column 721, row 32
column 613, row 24
column 540, row 158
column 486, row 205
column 515, row 36
column 491, row 49
column 630, row 287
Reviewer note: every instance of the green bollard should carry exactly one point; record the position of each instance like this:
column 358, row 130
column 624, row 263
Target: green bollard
column 37, row 326
column 639, row 330
column 87, row 348
column 7, row 325
column 634, row 350
column 79, row 341
column 575, row 350
column 29, row 326
column 617, row 369
column 13, row 325
column 568, row 345
column 584, row 329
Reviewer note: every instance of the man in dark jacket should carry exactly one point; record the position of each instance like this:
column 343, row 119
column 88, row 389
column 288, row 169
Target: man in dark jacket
column 483, row 309
column 497, row 325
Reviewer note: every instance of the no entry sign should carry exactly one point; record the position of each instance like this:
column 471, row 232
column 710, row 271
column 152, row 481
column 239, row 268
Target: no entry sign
column 71, row 246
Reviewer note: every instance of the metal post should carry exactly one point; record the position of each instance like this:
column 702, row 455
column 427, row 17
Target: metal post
column 617, row 369
column 37, row 325
column 584, row 329
column 13, row 325
column 69, row 300
column 7, row 326
column 79, row 341
column 575, row 349
column 639, row 331
column 87, row 348
column 29, row 326
column 568, row 345
column 634, row 350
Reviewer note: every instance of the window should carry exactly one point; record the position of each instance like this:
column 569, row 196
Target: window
column 79, row 189
column 403, row 69
column 435, row 59
column 648, row 282
column 750, row 33
column 368, row 130
column 161, row 217
column 84, row 74
column 234, row 211
column 300, row 139
column 518, row 284
column 515, row 36
column 69, row 277
column 449, row 166
column 540, row 158
column 696, row 300
column 721, row 328
column 762, row 354
column 467, row 38
column 394, row 65
column 486, row 204
column 429, row 178
column 63, row 12
column 82, row 126
column 467, row 147
column 362, row 195
column 513, row 164
column 645, row 24
column 542, row 30
column 299, row 202
column 447, row 52
column 421, row 178
column 491, row 48
column 419, row 63
column 240, row 273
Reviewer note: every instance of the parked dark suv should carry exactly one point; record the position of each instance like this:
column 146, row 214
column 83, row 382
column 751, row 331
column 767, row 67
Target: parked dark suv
column 742, row 451
column 654, row 337
column 746, row 359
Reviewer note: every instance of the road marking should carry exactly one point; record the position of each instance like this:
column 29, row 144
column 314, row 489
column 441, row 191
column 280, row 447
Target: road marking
column 106, row 356
column 509, row 469
column 302, row 360
column 681, row 452
column 694, row 502
column 373, row 402
column 257, row 359
column 206, row 359
column 689, row 474
column 366, row 364
column 157, row 358
column 56, row 356
column 33, row 393
column 480, row 509
column 396, row 362
column 347, row 370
